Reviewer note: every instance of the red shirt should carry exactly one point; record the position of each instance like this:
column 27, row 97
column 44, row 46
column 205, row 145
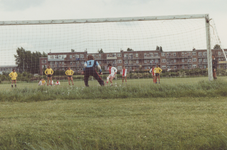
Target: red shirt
column 110, row 70
column 123, row 72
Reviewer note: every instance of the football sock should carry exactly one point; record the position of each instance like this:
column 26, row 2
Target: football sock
column 15, row 85
column 12, row 85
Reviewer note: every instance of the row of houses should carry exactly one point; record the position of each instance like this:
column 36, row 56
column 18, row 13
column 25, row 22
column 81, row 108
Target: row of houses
column 133, row 60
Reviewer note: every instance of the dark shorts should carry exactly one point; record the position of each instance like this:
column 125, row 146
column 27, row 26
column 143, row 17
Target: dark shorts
column 49, row 75
column 156, row 74
column 69, row 76
column 14, row 80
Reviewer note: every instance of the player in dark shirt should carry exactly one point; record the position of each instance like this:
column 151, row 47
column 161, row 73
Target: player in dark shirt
column 89, row 70
column 214, row 67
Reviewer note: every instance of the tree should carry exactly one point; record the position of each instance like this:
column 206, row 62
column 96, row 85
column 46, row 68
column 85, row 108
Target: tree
column 160, row 49
column 100, row 51
column 217, row 46
column 28, row 61
column 157, row 48
column 129, row 50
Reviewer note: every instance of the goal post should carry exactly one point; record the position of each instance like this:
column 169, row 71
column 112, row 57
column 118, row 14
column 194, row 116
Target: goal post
column 51, row 35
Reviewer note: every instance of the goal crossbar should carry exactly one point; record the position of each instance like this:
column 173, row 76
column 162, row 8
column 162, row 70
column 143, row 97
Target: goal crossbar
column 102, row 20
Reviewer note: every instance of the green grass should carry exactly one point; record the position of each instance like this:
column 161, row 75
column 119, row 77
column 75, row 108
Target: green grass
column 180, row 113
column 158, row 123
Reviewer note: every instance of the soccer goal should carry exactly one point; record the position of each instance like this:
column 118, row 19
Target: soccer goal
column 177, row 44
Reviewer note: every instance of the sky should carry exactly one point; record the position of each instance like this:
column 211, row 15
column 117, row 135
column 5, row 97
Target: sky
column 11, row 10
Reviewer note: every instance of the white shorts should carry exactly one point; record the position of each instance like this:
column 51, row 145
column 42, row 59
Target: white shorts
column 111, row 75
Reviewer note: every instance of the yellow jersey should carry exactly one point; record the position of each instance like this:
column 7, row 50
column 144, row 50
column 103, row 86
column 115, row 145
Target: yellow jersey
column 69, row 72
column 43, row 82
column 157, row 70
column 13, row 75
column 49, row 71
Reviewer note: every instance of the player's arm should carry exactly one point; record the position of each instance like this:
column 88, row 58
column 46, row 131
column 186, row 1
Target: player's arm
column 10, row 75
column 160, row 70
column 52, row 71
column 150, row 70
column 45, row 72
column 16, row 75
column 99, row 67
column 66, row 73
column 115, row 70
column 72, row 72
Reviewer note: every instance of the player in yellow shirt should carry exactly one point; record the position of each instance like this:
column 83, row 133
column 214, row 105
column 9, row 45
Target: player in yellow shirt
column 157, row 72
column 49, row 72
column 70, row 73
column 13, row 76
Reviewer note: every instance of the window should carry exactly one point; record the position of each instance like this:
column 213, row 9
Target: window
column 167, row 54
column 163, row 54
column 118, row 55
column 137, row 61
column 44, row 61
column 119, row 61
column 163, row 67
column 125, row 55
column 174, row 60
column 185, row 53
column 71, row 56
column 183, row 67
column 145, row 61
column 175, row 67
column 174, row 54
column 145, row 55
column 126, row 62
column 163, row 60
column 189, row 60
column 200, row 60
column 56, row 62
column 136, row 54
column 205, row 66
column 151, row 54
column 155, row 54
column 194, row 66
column 71, row 63
column 81, row 56
column 182, row 60
column 100, row 62
column 219, row 53
column 119, row 67
column 200, row 53
column 43, row 66
column 182, row 54
column 204, row 53
column 204, row 60
column 62, row 63
column 77, row 56
column 194, row 59
column 194, row 53
column 145, row 67
column 156, row 61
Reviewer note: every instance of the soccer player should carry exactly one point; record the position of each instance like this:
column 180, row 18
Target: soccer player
column 13, row 75
column 42, row 82
column 214, row 67
column 49, row 72
column 69, row 73
column 153, row 74
column 124, row 75
column 157, row 72
column 112, row 73
column 89, row 70
column 57, row 83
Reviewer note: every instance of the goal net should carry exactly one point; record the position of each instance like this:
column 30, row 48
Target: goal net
column 179, row 45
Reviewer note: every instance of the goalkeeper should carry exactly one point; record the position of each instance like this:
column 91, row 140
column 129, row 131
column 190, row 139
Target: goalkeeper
column 49, row 72
column 89, row 70
column 157, row 72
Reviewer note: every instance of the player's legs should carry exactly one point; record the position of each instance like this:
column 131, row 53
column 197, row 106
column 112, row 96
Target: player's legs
column 72, row 80
column 159, row 78
column 98, row 78
column 122, row 79
column 51, row 81
column 126, row 79
column 12, row 83
column 69, row 80
column 15, row 82
column 111, row 80
column 48, row 81
column 86, row 76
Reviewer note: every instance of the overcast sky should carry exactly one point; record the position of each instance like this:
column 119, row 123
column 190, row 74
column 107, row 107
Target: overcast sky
column 82, row 9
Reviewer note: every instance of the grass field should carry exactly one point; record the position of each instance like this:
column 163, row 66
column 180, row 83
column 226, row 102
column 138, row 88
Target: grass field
column 131, row 82
column 185, row 122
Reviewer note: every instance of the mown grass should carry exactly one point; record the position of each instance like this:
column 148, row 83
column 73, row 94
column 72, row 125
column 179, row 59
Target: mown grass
column 135, row 123
column 200, row 89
